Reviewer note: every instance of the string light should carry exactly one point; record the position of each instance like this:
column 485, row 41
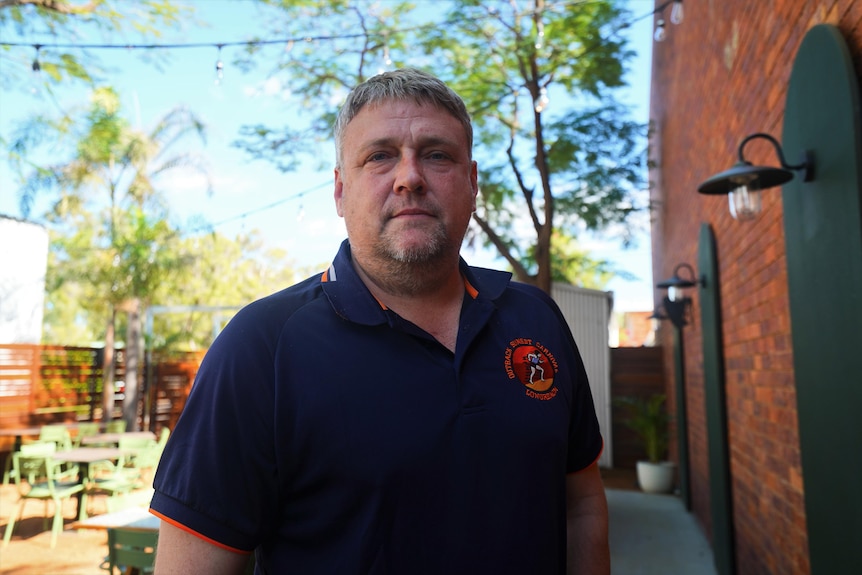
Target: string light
column 660, row 32
column 36, row 65
column 541, row 101
column 219, row 66
column 676, row 12
column 387, row 61
column 676, row 17
column 540, row 34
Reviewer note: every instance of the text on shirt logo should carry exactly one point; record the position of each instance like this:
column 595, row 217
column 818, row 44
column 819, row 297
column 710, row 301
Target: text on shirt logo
column 534, row 366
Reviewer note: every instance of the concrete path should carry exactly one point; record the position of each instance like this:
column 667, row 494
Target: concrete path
column 654, row 535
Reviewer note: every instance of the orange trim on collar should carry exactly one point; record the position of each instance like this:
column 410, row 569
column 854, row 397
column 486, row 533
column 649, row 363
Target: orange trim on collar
column 382, row 305
column 470, row 289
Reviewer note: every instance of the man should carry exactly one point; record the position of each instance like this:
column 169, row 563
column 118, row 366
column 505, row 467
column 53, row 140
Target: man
column 379, row 417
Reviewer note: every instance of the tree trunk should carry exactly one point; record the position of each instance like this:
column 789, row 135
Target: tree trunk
column 544, row 277
column 133, row 360
column 109, row 368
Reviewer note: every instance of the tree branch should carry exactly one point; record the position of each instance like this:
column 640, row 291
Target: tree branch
column 53, row 6
column 520, row 271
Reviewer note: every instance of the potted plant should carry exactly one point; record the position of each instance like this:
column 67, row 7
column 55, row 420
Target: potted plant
column 648, row 418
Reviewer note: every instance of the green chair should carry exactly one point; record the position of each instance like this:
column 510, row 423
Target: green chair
column 111, row 479
column 116, row 426
column 59, row 435
column 87, row 429
column 142, row 456
column 36, row 448
column 117, row 485
column 36, row 478
column 131, row 549
column 139, row 498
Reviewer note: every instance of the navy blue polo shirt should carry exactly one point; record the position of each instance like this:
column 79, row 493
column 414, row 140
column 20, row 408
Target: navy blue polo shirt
column 336, row 437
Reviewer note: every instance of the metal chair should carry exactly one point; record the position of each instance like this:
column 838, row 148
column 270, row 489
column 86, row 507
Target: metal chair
column 57, row 433
column 36, row 478
column 116, row 426
column 128, row 548
column 86, row 429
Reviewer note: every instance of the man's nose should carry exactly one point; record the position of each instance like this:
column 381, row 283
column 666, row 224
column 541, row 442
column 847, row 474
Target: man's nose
column 409, row 177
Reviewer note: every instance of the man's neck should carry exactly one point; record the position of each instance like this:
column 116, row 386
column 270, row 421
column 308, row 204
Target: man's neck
column 429, row 296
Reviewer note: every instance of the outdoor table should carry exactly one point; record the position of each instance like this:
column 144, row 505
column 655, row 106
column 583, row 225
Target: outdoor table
column 18, row 433
column 103, row 438
column 86, row 456
column 33, row 431
column 131, row 518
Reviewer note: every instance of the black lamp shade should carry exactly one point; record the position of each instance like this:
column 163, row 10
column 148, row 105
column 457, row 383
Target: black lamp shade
column 675, row 282
column 744, row 173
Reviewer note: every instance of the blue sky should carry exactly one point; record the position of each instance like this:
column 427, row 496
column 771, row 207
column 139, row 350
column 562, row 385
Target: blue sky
column 294, row 210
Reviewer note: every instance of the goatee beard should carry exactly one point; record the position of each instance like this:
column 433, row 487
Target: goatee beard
column 411, row 270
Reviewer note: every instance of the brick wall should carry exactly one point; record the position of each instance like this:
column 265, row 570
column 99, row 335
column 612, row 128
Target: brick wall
column 719, row 76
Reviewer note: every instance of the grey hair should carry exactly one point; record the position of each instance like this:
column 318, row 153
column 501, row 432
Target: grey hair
column 402, row 84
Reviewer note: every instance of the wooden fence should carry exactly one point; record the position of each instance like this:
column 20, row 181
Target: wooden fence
column 635, row 372
column 43, row 384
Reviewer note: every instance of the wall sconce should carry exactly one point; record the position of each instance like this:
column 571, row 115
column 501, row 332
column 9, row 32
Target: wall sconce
column 677, row 306
column 744, row 181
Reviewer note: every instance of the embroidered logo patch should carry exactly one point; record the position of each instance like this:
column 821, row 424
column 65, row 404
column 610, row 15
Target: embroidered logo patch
column 533, row 366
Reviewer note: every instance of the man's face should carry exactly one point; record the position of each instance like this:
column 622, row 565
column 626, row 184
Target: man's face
column 406, row 185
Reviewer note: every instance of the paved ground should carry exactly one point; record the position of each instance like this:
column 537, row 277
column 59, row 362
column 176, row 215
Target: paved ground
column 654, row 535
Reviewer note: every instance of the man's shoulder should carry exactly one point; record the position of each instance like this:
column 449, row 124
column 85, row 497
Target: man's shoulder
column 282, row 304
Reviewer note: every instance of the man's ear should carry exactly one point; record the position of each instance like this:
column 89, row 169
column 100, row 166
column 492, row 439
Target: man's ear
column 338, row 193
column 474, row 181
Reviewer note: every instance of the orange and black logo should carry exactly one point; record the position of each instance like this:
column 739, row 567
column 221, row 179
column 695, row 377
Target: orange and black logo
column 533, row 366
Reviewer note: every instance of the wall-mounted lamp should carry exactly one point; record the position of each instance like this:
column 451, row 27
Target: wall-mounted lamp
column 677, row 306
column 744, row 181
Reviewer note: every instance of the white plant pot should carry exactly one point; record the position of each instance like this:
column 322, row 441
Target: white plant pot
column 655, row 477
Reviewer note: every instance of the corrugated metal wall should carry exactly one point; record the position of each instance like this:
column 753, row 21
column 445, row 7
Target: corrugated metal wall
column 588, row 313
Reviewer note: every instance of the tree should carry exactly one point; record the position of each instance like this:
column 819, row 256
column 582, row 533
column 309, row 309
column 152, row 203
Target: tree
column 110, row 221
column 222, row 271
column 555, row 148
column 57, row 21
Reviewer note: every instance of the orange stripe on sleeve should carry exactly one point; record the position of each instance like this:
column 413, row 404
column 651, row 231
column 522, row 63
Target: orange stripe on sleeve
column 199, row 535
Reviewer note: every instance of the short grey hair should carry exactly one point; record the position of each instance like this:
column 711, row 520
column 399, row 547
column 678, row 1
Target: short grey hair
column 402, row 84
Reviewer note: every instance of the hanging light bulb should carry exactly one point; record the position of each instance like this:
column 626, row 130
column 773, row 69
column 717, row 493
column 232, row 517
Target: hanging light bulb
column 676, row 12
column 541, row 101
column 219, row 67
column 660, row 32
column 540, row 35
column 36, row 65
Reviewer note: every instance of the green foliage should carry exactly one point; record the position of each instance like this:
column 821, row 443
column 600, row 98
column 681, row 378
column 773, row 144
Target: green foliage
column 573, row 265
column 649, row 419
column 556, row 150
column 221, row 272
column 66, row 21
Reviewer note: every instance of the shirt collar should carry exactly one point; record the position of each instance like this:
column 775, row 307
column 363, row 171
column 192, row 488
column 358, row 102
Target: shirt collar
column 351, row 300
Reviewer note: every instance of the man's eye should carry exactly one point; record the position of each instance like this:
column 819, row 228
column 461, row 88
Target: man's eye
column 437, row 156
column 377, row 157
